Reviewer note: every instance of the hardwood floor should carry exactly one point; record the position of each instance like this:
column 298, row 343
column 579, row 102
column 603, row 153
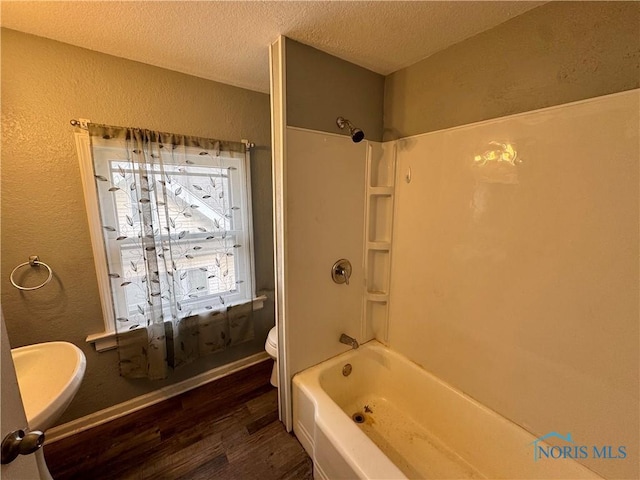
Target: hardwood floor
column 227, row 429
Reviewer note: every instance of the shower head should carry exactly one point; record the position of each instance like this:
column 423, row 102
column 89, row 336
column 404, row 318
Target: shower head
column 357, row 135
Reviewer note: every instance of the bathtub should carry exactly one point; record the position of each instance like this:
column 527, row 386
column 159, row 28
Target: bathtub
column 413, row 425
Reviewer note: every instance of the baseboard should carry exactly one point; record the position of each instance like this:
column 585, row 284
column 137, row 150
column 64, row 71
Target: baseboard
column 318, row 473
column 138, row 403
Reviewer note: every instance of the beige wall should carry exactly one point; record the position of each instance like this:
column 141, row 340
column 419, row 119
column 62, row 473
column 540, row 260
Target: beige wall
column 44, row 85
column 557, row 53
column 325, row 222
column 321, row 87
column 518, row 284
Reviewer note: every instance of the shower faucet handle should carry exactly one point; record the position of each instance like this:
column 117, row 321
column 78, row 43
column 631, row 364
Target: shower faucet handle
column 345, row 274
column 341, row 271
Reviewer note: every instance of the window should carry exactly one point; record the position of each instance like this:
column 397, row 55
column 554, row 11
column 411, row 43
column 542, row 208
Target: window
column 200, row 234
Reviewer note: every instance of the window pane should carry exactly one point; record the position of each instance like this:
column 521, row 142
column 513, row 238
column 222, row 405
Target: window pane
column 187, row 206
column 195, row 201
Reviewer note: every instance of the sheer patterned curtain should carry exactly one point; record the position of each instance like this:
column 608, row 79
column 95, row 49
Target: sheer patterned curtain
column 175, row 212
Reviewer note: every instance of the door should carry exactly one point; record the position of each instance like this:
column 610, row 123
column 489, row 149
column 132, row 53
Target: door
column 13, row 417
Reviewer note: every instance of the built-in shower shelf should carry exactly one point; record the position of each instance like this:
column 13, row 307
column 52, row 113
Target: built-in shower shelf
column 380, row 191
column 383, row 246
column 377, row 296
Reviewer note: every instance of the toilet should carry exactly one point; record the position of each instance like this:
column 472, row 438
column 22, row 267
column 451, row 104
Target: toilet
column 271, row 346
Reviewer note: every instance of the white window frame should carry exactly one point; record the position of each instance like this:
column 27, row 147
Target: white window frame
column 106, row 339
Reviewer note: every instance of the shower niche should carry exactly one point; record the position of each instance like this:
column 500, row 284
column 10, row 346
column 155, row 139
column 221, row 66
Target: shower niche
column 379, row 201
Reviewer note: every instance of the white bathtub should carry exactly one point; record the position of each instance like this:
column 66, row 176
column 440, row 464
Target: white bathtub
column 416, row 426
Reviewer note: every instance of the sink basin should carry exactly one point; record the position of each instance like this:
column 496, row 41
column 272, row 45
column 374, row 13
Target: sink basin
column 49, row 375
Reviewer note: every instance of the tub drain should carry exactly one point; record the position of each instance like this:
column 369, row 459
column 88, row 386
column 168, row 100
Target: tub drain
column 358, row 417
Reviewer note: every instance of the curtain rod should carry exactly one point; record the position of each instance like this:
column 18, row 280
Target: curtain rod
column 83, row 123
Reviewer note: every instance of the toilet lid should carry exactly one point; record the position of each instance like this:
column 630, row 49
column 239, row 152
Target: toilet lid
column 273, row 337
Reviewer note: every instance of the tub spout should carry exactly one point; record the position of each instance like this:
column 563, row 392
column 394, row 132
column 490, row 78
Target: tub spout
column 347, row 340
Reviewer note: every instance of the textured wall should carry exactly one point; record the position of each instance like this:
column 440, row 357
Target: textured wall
column 321, row 87
column 44, row 85
column 556, row 53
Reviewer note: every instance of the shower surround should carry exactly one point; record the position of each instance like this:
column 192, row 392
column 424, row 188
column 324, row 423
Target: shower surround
column 507, row 235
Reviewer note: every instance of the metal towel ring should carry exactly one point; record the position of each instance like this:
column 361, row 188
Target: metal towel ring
column 34, row 261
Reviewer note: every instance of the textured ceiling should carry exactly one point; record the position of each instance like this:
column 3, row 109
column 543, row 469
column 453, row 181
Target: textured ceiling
column 227, row 41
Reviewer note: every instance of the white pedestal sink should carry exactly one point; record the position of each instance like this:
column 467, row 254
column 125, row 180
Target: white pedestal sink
column 49, row 375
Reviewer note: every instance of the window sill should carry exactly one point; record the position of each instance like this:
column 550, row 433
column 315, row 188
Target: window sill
column 104, row 341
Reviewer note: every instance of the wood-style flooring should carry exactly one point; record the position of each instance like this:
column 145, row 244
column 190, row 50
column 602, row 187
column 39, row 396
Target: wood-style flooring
column 227, row 429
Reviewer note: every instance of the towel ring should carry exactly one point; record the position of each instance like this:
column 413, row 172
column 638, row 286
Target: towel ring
column 34, row 261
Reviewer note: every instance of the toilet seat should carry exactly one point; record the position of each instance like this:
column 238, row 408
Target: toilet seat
column 272, row 338
column 271, row 345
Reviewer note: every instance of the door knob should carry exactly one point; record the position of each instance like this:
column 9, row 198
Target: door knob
column 20, row 443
